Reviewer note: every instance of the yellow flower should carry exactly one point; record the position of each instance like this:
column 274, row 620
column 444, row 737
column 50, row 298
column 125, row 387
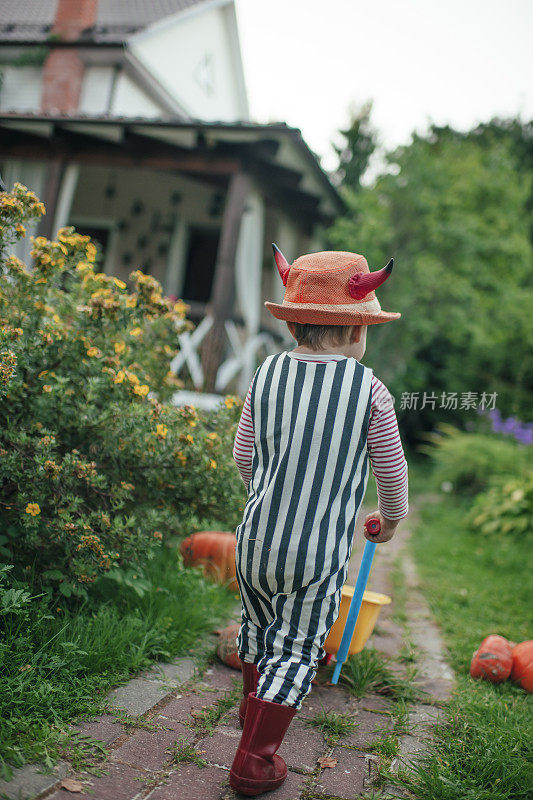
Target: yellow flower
column 161, row 430
column 142, row 390
column 132, row 378
column 20, row 229
column 91, row 252
column 93, row 352
column 83, row 266
column 47, row 388
column 43, row 373
column 120, row 376
column 182, row 458
column 180, row 307
column 131, row 301
column 33, row 509
column 56, row 319
column 120, row 347
column 188, row 438
column 212, row 464
column 119, row 283
column 229, row 402
column 136, row 332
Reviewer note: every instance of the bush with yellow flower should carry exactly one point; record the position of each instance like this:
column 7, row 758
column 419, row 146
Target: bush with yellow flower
column 93, row 458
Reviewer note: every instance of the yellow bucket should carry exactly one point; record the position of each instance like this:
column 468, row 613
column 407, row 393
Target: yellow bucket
column 368, row 616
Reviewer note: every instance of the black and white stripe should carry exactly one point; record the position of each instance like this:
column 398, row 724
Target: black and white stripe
column 309, row 475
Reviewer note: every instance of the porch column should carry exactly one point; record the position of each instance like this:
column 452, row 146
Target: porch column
column 52, row 189
column 223, row 291
column 248, row 274
column 65, row 196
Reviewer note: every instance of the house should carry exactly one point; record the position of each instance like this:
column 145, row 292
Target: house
column 129, row 119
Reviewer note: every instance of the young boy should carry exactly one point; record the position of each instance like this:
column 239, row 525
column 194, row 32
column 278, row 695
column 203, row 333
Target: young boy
column 312, row 419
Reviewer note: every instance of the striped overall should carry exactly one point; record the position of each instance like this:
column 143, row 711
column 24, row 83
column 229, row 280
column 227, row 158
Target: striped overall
column 309, row 475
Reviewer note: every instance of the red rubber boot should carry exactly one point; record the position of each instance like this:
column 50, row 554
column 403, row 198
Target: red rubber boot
column 250, row 676
column 256, row 768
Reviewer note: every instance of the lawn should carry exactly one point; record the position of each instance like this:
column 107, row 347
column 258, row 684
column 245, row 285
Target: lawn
column 56, row 664
column 476, row 586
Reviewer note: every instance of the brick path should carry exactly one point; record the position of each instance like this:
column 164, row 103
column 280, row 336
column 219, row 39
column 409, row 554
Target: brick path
column 170, row 703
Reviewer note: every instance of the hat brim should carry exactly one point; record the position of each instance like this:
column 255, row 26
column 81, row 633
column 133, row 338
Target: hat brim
column 318, row 315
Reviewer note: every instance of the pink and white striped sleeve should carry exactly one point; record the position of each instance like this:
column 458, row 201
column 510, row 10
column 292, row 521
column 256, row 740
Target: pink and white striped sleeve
column 244, row 441
column 386, row 454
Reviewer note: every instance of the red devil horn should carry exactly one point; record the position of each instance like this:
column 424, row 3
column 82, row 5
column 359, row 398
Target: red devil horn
column 281, row 263
column 362, row 283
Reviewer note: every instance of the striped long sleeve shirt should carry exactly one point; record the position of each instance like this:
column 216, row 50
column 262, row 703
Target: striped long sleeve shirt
column 385, row 450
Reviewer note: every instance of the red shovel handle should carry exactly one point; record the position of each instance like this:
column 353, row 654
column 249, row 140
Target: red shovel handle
column 373, row 526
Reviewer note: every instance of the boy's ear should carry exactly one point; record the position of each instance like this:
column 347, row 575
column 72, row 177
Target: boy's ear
column 357, row 331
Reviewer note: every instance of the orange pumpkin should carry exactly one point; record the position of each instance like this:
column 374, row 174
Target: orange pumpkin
column 214, row 551
column 522, row 671
column 227, row 646
column 493, row 660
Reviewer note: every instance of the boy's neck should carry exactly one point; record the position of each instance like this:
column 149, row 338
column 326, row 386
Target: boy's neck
column 338, row 350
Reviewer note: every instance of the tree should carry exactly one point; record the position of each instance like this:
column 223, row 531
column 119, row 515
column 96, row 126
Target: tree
column 360, row 145
column 453, row 209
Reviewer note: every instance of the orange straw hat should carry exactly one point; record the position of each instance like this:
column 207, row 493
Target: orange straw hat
column 330, row 288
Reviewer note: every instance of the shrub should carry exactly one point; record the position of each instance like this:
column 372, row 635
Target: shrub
column 507, row 507
column 470, row 461
column 95, row 470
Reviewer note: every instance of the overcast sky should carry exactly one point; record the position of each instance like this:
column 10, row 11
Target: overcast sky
column 453, row 61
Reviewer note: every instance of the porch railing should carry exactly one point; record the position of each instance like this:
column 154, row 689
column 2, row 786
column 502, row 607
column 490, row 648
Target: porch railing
column 237, row 369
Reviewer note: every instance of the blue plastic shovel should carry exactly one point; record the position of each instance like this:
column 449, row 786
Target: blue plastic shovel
column 372, row 526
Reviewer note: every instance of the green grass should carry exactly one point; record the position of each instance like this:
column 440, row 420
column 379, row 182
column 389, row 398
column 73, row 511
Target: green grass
column 332, row 724
column 183, row 752
column 475, row 586
column 57, row 664
column 205, row 720
column 368, row 671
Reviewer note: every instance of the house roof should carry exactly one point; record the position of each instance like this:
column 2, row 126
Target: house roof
column 276, row 153
column 31, row 20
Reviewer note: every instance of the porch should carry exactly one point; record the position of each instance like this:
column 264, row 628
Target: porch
column 194, row 204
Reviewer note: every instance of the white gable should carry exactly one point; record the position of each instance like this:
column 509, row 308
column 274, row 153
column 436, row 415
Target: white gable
column 196, row 57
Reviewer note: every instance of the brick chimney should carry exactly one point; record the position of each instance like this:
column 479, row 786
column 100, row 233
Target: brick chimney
column 63, row 69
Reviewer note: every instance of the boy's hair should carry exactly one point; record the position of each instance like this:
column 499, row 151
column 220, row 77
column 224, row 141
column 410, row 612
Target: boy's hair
column 315, row 336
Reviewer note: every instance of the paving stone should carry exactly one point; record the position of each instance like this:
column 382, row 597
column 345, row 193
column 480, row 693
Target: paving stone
column 190, row 782
column 231, row 719
column 389, row 644
column 410, row 750
column 180, row 671
column 147, row 749
column 222, row 677
column 438, row 689
column 347, row 778
column 28, row 781
column 289, row 790
column 180, row 707
column 369, row 727
column 120, row 783
column 105, row 729
column 423, row 718
column 220, row 748
column 302, row 746
column 171, row 724
column 375, row 703
column 328, row 698
column 137, row 696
